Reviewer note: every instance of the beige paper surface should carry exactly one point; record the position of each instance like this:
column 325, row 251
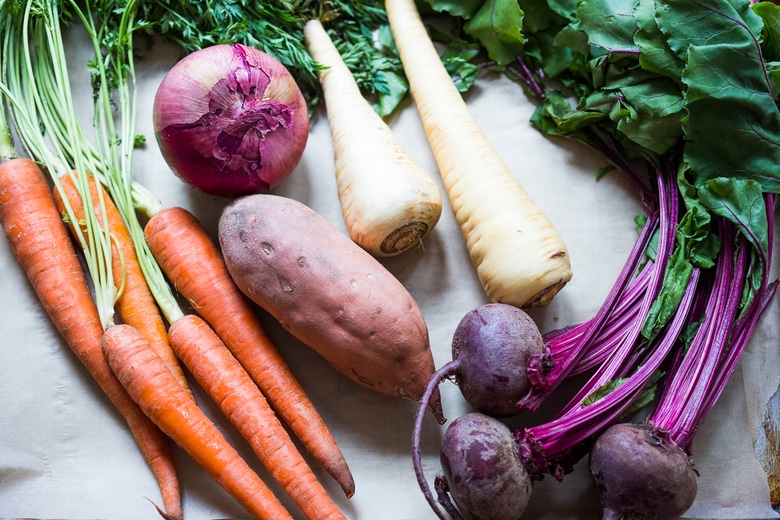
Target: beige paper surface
column 65, row 453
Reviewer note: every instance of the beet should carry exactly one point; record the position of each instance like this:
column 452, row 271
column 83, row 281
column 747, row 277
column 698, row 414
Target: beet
column 482, row 469
column 641, row 474
column 491, row 346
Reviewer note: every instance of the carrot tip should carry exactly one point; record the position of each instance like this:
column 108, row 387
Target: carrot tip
column 347, row 484
column 166, row 516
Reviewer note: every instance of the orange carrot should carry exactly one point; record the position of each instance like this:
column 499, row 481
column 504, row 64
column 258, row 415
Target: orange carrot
column 41, row 243
column 151, row 385
column 192, row 261
column 136, row 305
column 226, row 381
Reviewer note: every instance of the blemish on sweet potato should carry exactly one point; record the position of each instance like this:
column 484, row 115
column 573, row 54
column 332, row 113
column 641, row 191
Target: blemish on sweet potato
column 285, row 285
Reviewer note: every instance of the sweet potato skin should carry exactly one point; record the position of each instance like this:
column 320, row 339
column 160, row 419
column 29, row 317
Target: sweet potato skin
column 327, row 292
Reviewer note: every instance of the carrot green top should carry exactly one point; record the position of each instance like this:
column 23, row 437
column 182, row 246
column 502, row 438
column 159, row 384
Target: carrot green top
column 32, row 71
column 36, row 84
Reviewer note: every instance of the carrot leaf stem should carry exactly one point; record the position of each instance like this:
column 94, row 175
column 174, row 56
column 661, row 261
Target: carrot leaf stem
column 34, row 66
column 111, row 34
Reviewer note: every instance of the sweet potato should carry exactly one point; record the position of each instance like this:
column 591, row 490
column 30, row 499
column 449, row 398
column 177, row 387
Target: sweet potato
column 329, row 293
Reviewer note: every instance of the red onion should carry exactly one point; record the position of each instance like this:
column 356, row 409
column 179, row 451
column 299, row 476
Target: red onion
column 230, row 120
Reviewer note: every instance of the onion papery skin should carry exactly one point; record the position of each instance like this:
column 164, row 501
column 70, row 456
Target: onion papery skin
column 230, row 120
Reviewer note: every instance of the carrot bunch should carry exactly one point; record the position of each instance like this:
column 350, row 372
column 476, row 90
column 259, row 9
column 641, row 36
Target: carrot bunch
column 69, row 184
column 40, row 241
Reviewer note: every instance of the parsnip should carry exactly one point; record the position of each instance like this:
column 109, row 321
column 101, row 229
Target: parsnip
column 389, row 203
column 520, row 257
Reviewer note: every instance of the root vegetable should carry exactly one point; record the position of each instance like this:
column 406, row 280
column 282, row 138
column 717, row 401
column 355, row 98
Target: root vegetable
column 644, row 470
column 76, row 290
column 389, row 203
column 228, row 384
column 41, row 243
column 491, row 348
column 640, row 473
column 520, row 257
column 676, row 336
column 329, row 293
column 192, row 261
column 146, row 378
column 482, row 471
column 135, row 303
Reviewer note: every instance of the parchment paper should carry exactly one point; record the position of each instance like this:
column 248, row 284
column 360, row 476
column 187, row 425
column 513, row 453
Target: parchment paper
column 65, row 453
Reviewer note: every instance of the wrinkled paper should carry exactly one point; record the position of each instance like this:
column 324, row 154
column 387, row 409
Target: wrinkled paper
column 65, row 453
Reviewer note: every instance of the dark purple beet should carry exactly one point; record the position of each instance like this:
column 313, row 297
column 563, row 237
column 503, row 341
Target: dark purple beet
column 482, row 469
column 641, row 475
column 485, row 477
column 492, row 345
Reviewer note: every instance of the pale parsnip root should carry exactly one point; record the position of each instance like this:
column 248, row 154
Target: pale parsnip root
column 520, row 258
column 389, row 203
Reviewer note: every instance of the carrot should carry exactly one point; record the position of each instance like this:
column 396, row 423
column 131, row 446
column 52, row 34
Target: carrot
column 226, row 381
column 194, row 264
column 520, row 257
column 150, row 383
column 389, row 203
column 42, row 246
column 136, row 305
